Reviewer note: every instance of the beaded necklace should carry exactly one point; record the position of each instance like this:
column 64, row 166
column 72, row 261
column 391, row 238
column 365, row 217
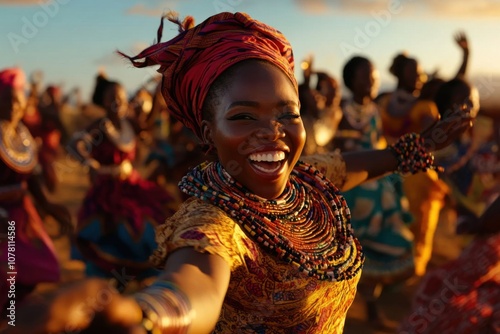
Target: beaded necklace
column 357, row 115
column 124, row 139
column 17, row 148
column 307, row 226
column 400, row 103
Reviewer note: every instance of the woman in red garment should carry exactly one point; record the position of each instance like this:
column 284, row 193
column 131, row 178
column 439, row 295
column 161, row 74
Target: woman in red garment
column 23, row 237
column 120, row 211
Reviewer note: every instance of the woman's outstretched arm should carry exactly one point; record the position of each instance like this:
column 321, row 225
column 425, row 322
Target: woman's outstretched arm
column 362, row 166
column 95, row 306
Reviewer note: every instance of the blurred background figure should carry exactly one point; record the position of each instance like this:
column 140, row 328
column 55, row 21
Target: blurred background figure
column 471, row 162
column 116, row 221
column 463, row 295
column 379, row 209
column 22, row 231
column 319, row 108
column 403, row 111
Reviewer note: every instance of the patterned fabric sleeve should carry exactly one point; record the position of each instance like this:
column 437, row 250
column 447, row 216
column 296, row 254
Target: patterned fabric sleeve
column 202, row 226
column 331, row 164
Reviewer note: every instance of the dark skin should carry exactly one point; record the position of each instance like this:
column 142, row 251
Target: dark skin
column 409, row 80
column 265, row 120
column 203, row 277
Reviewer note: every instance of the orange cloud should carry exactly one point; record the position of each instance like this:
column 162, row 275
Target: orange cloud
column 155, row 10
column 448, row 8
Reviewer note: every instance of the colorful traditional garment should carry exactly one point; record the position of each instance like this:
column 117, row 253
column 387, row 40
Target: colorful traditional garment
column 472, row 167
column 463, row 296
column 267, row 293
column 425, row 191
column 378, row 218
column 403, row 113
column 116, row 222
column 33, row 253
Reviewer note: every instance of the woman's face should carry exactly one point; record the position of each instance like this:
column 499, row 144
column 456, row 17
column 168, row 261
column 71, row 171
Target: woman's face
column 12, row 105
column 256, row 128
column 115, row 100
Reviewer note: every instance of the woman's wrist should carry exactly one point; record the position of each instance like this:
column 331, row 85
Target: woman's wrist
column 412, row 155
column 165, row 308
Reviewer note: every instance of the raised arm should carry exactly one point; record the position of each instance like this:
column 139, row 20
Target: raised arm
column 463, row 44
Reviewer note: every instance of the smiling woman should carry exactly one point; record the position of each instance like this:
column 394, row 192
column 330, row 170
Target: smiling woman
column 264, row 243
column 256, row 124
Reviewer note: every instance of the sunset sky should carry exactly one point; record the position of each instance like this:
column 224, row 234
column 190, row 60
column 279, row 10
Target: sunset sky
column 69, row 40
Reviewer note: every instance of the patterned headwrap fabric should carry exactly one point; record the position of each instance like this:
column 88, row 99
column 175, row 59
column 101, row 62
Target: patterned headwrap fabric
column 192, row 61
column 12, row 78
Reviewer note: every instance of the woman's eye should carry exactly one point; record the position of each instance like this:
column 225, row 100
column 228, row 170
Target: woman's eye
column 290, row 116
column 244, row 117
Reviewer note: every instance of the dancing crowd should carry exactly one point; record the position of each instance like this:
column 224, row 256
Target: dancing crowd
column 240, row 200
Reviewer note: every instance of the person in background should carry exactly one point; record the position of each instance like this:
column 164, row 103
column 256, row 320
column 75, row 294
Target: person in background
column 264, row 242
column 463, row 295
column 52, row 133
column 25, row 247
column 319, row 108
column 467, row 174
column 379, row 209
column 403, row 112
column 116, row 221
column 426, row 192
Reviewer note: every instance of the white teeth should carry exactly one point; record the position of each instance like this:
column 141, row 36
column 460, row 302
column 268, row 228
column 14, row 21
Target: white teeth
column 268, row 170
column 268, row 156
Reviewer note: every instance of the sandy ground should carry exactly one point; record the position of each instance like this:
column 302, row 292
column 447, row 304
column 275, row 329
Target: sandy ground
column 395, row 301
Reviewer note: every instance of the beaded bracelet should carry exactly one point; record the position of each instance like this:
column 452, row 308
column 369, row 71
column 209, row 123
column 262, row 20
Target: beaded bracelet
column 165, row 308
column 412, row 155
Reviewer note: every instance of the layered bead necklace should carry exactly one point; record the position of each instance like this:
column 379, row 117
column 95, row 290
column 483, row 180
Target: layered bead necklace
column 359, row 116
column 124, row 139
column 308, row 225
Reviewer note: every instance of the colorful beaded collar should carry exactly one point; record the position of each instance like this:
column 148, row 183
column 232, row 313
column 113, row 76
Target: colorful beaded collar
column 307, row 226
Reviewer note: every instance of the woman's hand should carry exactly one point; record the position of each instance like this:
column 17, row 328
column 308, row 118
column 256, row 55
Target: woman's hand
column 88, row 306
column 448, row 129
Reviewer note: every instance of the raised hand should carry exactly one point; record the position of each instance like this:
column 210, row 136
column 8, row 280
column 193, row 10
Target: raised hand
column 449, row 128
column 461, row 41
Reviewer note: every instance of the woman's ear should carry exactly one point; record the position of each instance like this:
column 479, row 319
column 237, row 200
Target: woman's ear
column 206, row 132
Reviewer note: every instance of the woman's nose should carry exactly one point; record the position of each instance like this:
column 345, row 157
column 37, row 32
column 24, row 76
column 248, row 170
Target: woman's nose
column 272, row 130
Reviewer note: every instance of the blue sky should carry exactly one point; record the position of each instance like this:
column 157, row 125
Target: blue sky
column 69, row 40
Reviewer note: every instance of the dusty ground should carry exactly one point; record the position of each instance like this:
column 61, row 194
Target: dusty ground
column 395, row 301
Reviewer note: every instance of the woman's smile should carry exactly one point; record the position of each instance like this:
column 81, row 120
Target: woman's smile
column 257, row 127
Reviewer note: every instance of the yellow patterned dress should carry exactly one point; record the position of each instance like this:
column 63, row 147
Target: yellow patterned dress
column 265, row 294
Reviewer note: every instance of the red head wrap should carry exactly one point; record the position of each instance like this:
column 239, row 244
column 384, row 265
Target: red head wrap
column 12, row 78
column 192, row 61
